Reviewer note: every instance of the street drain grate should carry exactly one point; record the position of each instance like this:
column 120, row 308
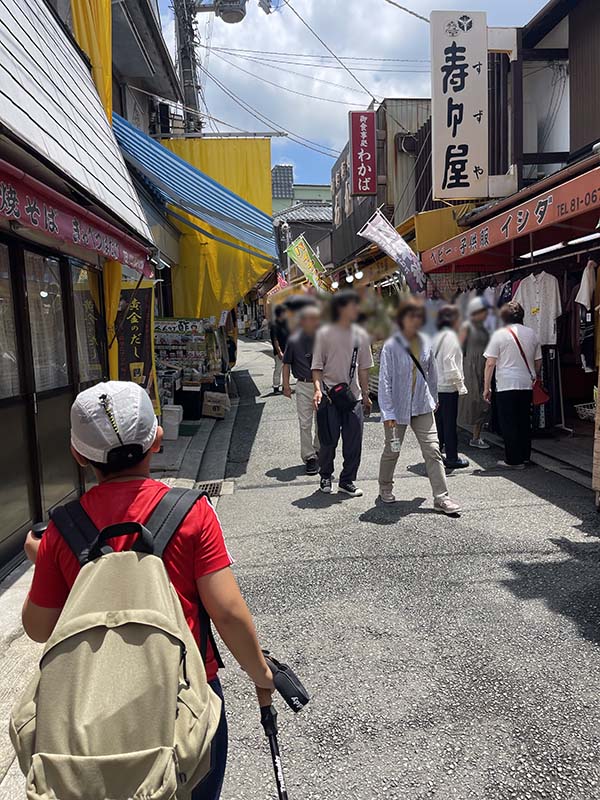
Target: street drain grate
column 212, row 488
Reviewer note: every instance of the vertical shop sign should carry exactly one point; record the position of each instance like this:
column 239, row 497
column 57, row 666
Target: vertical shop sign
column 459, row 85
column 363, row 153
column 135, row 327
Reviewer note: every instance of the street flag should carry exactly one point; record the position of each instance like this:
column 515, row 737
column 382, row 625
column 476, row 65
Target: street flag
column 307, row 260
column 281, row 281
column 382, row 233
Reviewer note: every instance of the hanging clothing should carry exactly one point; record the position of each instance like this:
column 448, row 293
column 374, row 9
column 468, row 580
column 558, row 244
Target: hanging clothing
column 505, row 294
column 549, row 415
column 472, row 408
column 587, row 289
column 540, row 297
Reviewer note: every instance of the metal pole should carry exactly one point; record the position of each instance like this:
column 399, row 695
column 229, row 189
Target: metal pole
column 268, row 718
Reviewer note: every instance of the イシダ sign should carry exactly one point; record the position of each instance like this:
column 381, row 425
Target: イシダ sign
column 363, row 153
column 459, row 84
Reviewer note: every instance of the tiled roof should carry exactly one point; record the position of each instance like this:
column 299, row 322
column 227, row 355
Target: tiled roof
column 282, row 181
column 308, row 211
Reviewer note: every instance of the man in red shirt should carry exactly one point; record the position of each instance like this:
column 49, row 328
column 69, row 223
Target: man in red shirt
column 114, row 429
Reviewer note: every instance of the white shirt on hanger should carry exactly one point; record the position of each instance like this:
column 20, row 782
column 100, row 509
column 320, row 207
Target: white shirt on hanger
column 540, row 297
column 585, row 295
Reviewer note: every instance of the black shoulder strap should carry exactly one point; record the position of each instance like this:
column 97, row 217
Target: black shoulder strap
column 163, row 524
column 413, row 358
column 169, row 514
column 76, row 528
column 354, row 358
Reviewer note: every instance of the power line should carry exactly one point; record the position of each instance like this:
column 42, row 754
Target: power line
column 295, row 137
column 272, row 61
column 315, row 55
column 407, row 10
column 283, row 88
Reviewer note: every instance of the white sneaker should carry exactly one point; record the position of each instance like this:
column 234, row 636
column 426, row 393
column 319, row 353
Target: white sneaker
column 480, row 444
column 447, row 506
column 387, row 496
column 504, row 465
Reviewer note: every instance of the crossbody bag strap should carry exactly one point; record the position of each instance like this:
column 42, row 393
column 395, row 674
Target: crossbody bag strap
column 516, row 338
column 354, row 362
column 439, row 347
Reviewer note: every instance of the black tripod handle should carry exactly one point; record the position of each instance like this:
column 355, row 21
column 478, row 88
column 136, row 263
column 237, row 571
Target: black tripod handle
column 268, row 718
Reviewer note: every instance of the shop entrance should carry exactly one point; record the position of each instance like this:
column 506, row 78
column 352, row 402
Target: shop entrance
column 51, row 345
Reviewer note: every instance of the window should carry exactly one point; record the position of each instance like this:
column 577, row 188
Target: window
column 88, row 323
column 44, row 298
column 9, row 364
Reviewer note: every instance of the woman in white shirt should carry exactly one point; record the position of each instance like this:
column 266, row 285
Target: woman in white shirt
column 451, row 383
column 515, row 374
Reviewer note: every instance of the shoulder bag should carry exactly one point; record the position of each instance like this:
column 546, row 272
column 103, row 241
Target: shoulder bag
column 540, row 395
column 341, row 395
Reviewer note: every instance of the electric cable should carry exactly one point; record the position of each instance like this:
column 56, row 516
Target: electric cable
column 316, row 55
column 407, row 10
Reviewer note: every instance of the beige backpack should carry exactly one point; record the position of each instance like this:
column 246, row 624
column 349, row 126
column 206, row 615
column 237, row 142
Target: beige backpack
column 119, row 708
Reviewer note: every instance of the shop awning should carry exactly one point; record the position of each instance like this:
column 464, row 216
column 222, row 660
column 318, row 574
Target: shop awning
column 49, row 103
column 564, row 214
column 189, row 189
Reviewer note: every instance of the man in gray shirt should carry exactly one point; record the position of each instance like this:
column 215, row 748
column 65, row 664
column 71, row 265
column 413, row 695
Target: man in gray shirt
column 297, row 360
column 342, row 355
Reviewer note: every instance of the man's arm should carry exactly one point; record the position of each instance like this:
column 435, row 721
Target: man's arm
column 363, row 379
column 39, row 622
column 317, row 375
column 224, row 604
column 285, row 377
column 490, row 366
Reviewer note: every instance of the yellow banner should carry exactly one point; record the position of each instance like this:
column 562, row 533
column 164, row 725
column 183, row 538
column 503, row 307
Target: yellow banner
column 92, row 25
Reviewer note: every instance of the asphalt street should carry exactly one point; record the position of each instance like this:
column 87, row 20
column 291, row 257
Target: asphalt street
column 447, row 658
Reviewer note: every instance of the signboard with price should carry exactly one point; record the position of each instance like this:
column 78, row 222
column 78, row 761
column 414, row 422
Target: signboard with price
column 553, row 208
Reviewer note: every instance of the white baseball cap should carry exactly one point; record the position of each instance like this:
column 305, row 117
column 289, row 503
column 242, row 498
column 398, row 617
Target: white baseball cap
column 476, row 305
column 111, row 415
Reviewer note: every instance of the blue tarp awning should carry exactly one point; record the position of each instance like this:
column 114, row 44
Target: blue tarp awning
column 184, row 186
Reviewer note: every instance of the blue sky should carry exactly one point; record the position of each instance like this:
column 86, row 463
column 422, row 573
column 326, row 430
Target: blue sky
column 367, row 28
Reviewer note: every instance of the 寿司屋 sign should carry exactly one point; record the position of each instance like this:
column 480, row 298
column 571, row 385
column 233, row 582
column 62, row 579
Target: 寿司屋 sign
column 554, row 207
column 363, row 153
column 27, row 202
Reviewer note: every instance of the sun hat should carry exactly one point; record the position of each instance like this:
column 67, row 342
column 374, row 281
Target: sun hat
column 112, row 415
column 476, row 305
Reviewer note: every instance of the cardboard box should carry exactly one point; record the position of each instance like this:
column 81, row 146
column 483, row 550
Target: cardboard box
column 215, row 404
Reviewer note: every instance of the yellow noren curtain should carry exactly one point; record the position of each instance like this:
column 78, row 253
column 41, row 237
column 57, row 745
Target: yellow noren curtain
column 212, row 277
column 92, row 25
column 112, row 294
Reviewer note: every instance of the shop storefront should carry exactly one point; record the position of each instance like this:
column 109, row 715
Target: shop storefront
column 70, row 221
column 542, row 250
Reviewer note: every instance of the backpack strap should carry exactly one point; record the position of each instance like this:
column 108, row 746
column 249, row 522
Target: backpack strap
column 76, row 528
column 163, row 524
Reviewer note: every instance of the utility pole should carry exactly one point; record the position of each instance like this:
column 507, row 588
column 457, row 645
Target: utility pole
column 187, row 40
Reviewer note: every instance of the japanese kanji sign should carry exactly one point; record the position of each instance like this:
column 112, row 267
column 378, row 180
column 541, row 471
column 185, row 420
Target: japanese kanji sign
column 459, row 86
column 307, row 260
column 382, row 233
column 135, row 327
column 556, row 207
column 27, row 203
column 363, row 153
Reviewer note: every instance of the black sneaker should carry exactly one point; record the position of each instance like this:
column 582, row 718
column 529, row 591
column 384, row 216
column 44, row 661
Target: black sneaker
column 325, row 485
column 351, row 489
column 460, row 463
column 312, row 466
column 276, row 390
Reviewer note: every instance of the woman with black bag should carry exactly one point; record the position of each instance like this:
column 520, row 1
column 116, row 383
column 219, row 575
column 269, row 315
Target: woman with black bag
column 408, row 396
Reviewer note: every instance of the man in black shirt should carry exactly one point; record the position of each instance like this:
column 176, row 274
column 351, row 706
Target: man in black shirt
column 279, row 338
column 297, row 359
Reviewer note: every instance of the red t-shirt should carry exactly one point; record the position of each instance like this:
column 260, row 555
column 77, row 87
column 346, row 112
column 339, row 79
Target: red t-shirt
column 197, row 549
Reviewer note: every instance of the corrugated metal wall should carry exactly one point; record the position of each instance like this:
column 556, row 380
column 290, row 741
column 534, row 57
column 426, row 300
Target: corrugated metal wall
column 584, row 56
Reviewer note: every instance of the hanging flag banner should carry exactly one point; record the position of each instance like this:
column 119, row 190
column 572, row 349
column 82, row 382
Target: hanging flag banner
column 379, row 231
column 363, row 153
column 307, row 260
column 459, row 104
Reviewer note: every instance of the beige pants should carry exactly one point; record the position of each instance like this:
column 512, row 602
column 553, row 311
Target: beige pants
column 277, row 372
column 309, row 438
column 424, row 429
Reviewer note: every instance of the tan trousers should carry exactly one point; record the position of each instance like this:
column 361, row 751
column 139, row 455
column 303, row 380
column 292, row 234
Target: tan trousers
column 309, row 438
column 277, row 371
column 424, row 429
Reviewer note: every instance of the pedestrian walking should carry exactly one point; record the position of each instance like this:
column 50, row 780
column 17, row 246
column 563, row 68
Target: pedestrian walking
column 279, row 338
column 473, row 411
column 451, row 383
column 514, row 353
column 115, row 432
column 342, row 359
column 408, row 397
column 297, row 360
